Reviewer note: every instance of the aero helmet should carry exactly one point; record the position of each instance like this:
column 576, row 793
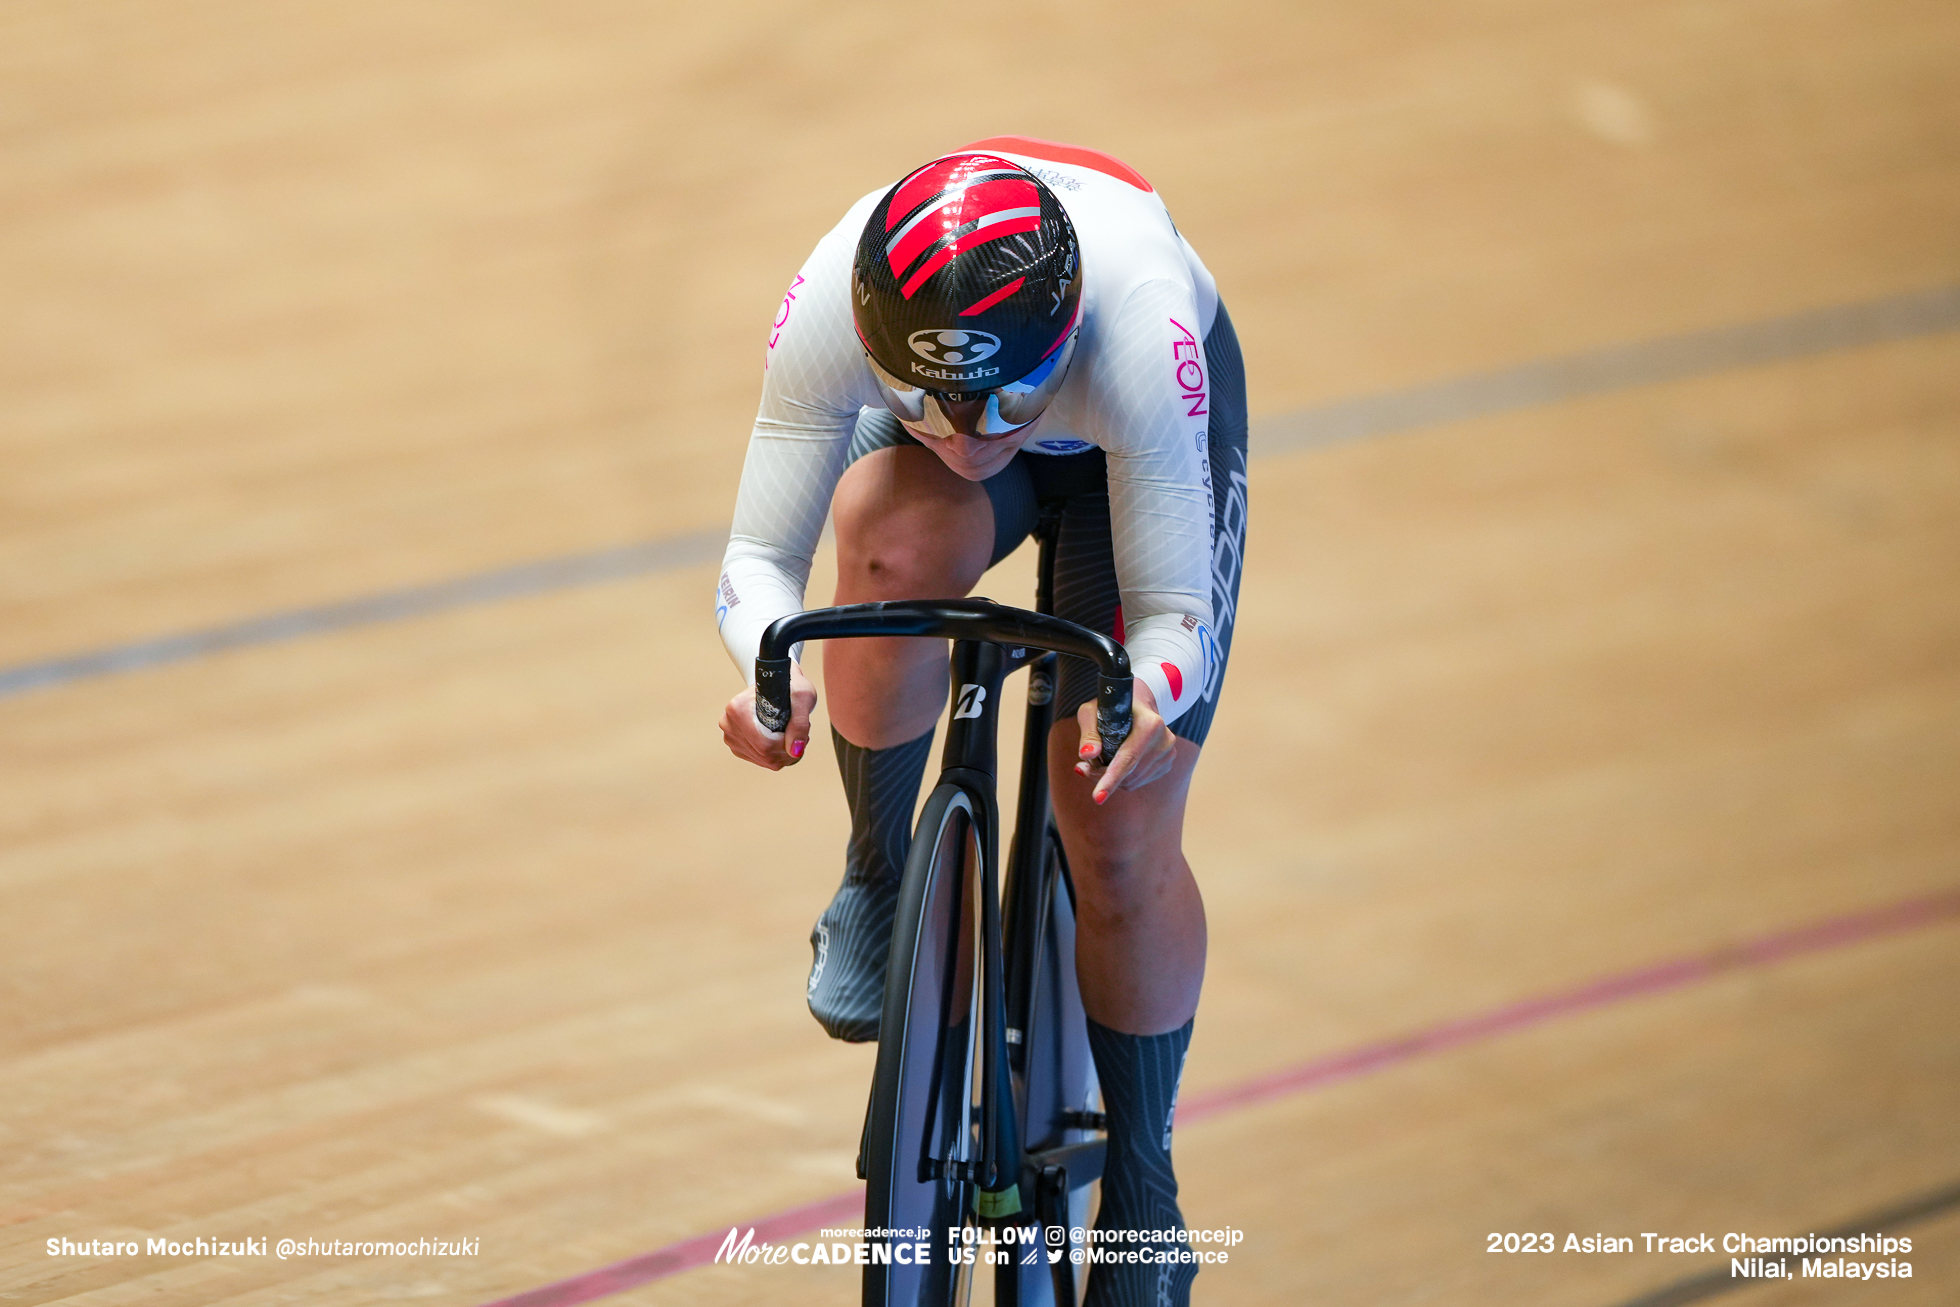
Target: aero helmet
column 966, row 295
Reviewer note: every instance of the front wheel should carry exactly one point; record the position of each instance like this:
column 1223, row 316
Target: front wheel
column 1060, row 1097
column 923, row 1126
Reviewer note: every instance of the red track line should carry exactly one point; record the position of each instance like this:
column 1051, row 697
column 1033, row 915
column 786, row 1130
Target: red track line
column 838, row 1209
column 1832, row 932
column 845, row 1208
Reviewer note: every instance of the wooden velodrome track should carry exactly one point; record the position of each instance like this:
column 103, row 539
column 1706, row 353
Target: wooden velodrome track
column 464, row 926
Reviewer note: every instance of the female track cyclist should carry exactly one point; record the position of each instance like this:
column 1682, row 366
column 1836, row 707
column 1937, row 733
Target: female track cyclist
column 1014, row 327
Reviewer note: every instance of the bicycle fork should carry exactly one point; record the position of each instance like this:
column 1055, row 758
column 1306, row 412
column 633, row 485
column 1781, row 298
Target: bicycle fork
column 971, row 755
column 1008, row 1181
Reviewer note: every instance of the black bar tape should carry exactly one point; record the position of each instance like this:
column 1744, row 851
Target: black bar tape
column 1112, row 714
column 772, row 708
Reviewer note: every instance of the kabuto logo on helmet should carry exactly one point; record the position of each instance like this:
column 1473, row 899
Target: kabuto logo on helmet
column 953, row 345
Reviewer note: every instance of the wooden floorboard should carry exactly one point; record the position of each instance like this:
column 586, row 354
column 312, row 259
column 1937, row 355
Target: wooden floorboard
column 466, row 926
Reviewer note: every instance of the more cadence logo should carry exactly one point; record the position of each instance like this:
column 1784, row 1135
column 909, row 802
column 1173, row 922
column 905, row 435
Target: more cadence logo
column 903, row 1247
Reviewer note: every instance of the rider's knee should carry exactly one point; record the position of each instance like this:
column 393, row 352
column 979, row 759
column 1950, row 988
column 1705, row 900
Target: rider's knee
column 909, row 537
column 1112, row 873
column 900, row 559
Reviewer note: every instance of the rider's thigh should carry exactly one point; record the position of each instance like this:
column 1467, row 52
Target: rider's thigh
column 909, row 527
column 1125, row 843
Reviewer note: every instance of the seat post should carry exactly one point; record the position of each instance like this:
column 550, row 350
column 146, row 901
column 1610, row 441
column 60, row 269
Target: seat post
column 1048, row 529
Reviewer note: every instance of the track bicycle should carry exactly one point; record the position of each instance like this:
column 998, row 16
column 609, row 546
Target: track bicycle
column 982, row 1133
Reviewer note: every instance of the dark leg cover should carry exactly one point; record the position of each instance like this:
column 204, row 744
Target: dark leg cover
column 1139, row 1075
column 853, row 937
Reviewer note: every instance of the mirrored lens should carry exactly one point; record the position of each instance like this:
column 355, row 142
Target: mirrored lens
column 986, row 415
column 906, row 401
column 1021, row 402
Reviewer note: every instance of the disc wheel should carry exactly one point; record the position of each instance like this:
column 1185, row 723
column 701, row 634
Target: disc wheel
column 923, row 1118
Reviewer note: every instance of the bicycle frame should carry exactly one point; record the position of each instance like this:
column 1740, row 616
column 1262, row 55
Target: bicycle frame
column 990, row 641
column 1050, row 1173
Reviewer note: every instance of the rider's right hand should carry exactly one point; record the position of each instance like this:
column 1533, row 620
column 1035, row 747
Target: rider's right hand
column 772, row 749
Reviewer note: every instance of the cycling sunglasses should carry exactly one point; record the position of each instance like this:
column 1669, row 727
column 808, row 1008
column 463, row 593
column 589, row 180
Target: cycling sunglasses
column 980, row 414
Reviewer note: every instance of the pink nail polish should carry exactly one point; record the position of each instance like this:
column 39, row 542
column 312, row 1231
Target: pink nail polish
column 796, row 748
column 1101, row 795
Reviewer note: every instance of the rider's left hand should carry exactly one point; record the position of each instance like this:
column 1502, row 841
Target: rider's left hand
column 1148, row 753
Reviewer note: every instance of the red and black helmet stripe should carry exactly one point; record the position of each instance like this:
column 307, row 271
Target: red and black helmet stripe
column 995, row 298
column 955, row 205
column 970, row 236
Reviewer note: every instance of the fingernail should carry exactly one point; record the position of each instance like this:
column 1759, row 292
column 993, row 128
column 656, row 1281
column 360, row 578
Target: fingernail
column 1087, row 750
column 1101, row 795
column 796, row 748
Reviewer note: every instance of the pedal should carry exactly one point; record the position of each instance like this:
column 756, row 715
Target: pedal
column 1051, row 1208
column 864, row 1143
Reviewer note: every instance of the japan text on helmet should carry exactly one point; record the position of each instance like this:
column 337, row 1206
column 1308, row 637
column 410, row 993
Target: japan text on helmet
column 966, row 289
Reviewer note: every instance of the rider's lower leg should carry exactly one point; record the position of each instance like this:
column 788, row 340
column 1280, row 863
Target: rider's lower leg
column 907, row 528
column 1140, row 959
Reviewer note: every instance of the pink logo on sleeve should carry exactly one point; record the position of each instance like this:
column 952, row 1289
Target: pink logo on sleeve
column 782, row 315
column 1185, row 355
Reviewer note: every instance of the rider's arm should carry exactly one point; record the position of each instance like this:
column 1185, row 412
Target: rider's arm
column 1152, row 401
column 814, row 383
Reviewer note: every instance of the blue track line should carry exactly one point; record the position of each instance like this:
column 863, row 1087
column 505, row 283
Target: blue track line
column 1529, row 385
column 516, row 582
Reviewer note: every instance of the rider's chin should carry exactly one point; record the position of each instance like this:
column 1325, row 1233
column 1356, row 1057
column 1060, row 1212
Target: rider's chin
column 976, row 460
column 977, row 469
